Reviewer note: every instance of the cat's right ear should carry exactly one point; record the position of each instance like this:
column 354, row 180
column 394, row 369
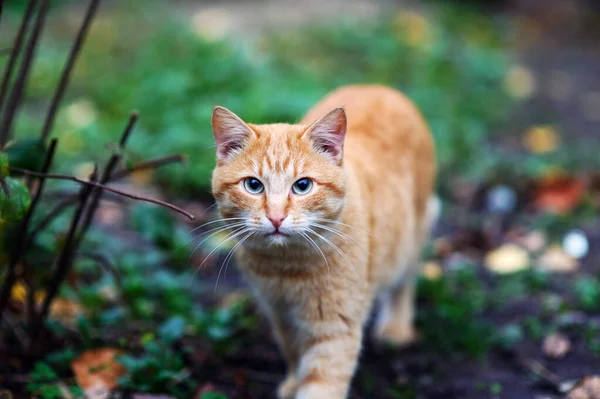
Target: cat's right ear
column 231, row 133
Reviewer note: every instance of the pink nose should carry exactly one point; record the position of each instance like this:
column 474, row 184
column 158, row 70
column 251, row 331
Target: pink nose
column 276, row 219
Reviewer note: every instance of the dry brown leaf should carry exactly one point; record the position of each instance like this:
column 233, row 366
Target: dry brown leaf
column 65, row 310
column 509, row 258
column 555, row 259
column 588, row 388
column 97, row 371
column 556, row 346
column 559, row 193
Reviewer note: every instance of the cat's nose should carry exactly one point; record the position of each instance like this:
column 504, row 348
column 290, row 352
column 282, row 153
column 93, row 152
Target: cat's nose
column 276, row 219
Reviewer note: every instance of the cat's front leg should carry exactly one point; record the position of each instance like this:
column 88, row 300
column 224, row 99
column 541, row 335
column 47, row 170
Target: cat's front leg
column 328, row 364
column 284, row 334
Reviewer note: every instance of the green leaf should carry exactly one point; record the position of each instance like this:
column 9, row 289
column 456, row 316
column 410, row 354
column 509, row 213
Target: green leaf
column 154, row 224
column 14, row 207
column 27, row 154
column 172, row 329
column 3, row 165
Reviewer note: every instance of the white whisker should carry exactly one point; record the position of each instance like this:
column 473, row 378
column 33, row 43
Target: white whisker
column 229, row 256
column 214, row 221
column 335, row 247
column 218, row 230
column 230, row 236
column 339, row 233
column 344, row 224
column 315, row 246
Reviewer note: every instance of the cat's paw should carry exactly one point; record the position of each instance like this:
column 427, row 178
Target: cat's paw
column 287, row 389
column 399, row 335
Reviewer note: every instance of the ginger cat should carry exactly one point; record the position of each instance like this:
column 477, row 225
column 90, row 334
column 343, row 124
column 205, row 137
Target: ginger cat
column 330, row 213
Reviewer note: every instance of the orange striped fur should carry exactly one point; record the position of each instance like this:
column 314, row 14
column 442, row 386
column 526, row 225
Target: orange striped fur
column 369, row 212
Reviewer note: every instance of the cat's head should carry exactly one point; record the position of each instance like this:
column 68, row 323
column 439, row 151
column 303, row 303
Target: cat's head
column 277, row 181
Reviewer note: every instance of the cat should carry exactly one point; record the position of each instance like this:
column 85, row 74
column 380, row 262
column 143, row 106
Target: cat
column 330, row 214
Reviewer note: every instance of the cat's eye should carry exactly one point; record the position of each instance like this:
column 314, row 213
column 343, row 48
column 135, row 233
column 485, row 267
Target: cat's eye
column 253, row 186
column 302, row 186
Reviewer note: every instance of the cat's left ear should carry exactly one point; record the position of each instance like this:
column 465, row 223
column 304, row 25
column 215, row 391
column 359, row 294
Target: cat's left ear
column 231, row 133
column 328, row 133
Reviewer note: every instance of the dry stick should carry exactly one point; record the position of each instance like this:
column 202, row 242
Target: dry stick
column 63, row 265
column 119, row 174
column 104, row 187
column 64, row 79
column 17, row 91
column 53, row 214
column 22, row 232
column 16, row 49
column 110, row 165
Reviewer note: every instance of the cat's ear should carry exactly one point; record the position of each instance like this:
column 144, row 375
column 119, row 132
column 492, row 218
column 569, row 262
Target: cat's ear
column 328, row 133
column 231, row 133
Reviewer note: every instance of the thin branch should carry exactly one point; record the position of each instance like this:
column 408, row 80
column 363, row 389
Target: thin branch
column 22, row 232
column 110, row 166
column 18, row 88
column 63, row 264
column 64, row 79
column 53, row 214
column 104, row 187
column 16, row 49
column 155, row 163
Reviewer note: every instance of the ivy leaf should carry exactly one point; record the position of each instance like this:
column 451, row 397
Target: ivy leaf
column 172, row 329
column 14, row 207
column 27, row 154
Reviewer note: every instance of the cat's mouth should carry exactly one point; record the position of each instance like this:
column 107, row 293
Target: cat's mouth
column 276, row 234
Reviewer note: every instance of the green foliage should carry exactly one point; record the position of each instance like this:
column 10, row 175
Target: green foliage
column 587, row 293
column 222, row 327
column 43, row 383
column 451, row 321
column 158, row 369
column 26, row 154
column 14, row 207
column 213, row 395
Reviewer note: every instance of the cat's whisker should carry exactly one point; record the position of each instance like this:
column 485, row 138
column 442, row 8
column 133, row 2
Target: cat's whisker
column 344, row 224
column 229, row 256
column 214, row 221
column 229, row 225
column 339, row 233
column 218, row 230
column 227, row 238
column 315, row 246
column 335, row 247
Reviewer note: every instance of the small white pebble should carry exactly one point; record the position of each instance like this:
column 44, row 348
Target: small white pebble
column 576, row 244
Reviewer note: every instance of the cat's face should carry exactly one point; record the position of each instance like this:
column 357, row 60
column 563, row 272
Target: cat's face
column 281, row 181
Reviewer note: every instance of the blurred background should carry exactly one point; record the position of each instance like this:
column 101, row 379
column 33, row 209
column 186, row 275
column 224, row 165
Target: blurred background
column 509, row 301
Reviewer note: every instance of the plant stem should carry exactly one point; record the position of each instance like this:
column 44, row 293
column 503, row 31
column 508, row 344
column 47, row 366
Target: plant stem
column 104, row 187
column 18, row 88
column 64, row 79
column 16, row 49
column 119, row 174
column 15, row 255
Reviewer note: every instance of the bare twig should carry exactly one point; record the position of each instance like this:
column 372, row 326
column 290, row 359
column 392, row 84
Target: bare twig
column 64, row 79
column 110, row 165
column 63, row 264
column 11, row 277
column 104, row 187
column 16, row 49
column 119, row 174
column 53, row 214
column 18, row 88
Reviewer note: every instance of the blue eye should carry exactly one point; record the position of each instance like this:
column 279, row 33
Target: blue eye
column 302, row 186
column 254, row 186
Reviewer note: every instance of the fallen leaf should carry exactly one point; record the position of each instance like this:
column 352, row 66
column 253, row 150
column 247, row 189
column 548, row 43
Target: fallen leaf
column 555, row 259
column 588, row 388
column 541, row 139
column 19, row 292
column 558, row 193
column 556, row 346
column 509, row 258
column 97, row 372
column 431, row 271
column 65, row 310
